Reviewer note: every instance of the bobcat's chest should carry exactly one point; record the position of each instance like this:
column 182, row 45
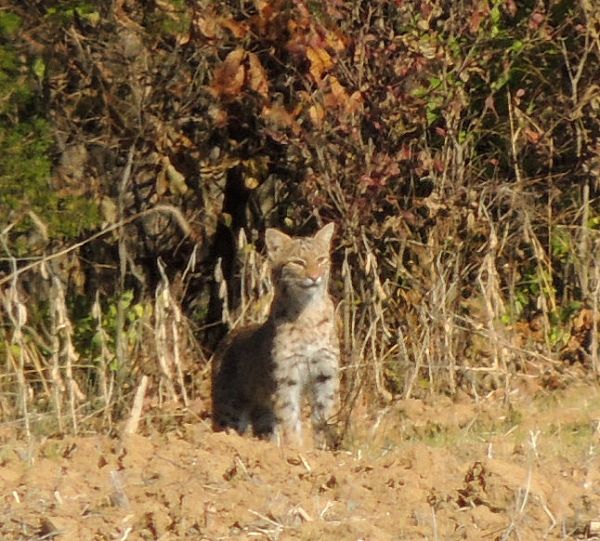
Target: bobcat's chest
column 302, row 343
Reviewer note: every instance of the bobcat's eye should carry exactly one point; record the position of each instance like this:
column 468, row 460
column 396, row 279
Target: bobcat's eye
column 297, row 261
column 323, row 260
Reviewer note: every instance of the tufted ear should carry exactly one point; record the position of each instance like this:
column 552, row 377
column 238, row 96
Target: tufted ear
column 275, row 241
column 323, row 236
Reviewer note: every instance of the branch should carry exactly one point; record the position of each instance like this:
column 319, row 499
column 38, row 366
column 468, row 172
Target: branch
column 181, row 221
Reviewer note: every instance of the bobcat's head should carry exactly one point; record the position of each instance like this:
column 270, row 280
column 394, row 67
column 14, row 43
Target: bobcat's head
column 300, row 265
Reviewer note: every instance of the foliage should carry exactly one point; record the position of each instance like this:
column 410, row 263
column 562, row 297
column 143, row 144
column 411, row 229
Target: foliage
column 455, row 145
column 30, row 203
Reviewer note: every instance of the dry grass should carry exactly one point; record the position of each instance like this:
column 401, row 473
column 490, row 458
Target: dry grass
column 466, row 257
column 442, row 343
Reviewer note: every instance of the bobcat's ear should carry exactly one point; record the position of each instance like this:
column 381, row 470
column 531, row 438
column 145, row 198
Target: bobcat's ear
column 275, row 241
column 323, row 235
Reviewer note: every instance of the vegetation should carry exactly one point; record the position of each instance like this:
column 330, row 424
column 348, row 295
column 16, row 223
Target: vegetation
column 146, row 145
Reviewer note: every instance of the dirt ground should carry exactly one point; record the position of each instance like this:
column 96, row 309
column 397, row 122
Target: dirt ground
column 417, row 470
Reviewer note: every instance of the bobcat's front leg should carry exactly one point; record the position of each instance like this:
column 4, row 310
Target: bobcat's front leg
column 324, row 388
column 287, row 405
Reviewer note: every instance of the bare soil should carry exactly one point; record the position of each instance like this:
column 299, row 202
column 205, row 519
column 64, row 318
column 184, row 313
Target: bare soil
column 417, row 470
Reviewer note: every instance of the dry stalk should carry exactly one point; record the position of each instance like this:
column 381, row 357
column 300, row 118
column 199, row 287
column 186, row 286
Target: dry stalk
column 167, row 321
column 246, row 260
column 585, row 254
column 58, row 387
column 136, row 410
column 348, row 310
column 419, row 351
column 118, row 496
column 595, row 308
column 223, row 295
column 256, row 289
column 17, row 314
column 378, row 332
column 514, row 138
column 351, row 373
column 442, row 314
column 575, row 74
column 121, row 342
column 489, row 284
column 105, row 374
column 66, row 355
column 176, row 213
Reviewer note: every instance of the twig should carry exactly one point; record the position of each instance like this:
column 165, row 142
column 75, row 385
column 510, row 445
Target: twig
column 118, row 497
column 182, row 222
column 277, row 525
column 136, row 411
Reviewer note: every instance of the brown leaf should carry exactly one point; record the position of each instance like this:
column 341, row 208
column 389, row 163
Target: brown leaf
column 475, row 21
column 533, row 136
column 337, row 95
column 122, row 18
column 267, row 11
column 536, row 20
column 316, row 114
column 239, row 30
column 279, row 117
column 207, row 26
column 228, row 79
column 218, row 115
column 320, row 62
column 171, row 179
column 257, row 77
column 355, row 103
column 336, row 40
column 405, row 153
column 490, row 104
column 162, row 183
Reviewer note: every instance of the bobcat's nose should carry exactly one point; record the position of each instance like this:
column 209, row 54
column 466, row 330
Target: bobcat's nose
column 312, row 279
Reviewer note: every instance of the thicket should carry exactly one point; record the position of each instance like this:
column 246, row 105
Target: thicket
column 145, row 146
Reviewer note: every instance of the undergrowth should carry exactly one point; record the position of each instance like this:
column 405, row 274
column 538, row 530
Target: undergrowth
column 145, row 148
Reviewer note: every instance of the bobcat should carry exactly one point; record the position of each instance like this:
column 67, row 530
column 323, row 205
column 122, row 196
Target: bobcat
column 264, row 371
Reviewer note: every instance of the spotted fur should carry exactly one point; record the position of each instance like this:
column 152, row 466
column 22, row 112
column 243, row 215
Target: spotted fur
column 265, row 371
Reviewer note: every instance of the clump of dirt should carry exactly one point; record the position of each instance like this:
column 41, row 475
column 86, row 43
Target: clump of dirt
column 415, row 471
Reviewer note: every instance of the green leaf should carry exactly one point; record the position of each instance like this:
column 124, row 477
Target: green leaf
column 495, row 14
column 10, row 23
column 432, row 115
column 517, row 46
column 39, row 68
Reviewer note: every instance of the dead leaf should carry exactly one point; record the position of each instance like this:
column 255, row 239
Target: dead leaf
column 218, row 115
column 536, row 20
column 337, row 95
column 228, row 78
column 122, row 18
column 533, row 136
column 267, row 11
column 109, row 210
column 278, row 117
column 257, row 76
column 238, row 29
column 162, row 183
column 251, row 182
column 207, row 26
column 320, row 62
column 316, row 114
column 169, row 176
column 355, row 103
column 479, row 13
column 336, row 40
